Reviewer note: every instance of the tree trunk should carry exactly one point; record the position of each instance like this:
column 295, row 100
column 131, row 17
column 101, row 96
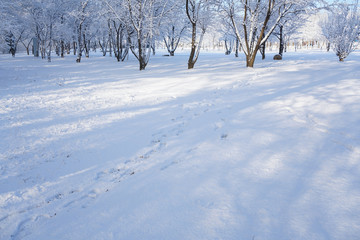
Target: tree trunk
column 79, row 43
column 250, row 59
column 237, row 48
column 141, row 59
column 68, row 48
column 43, row 49
column 281, row 44
column 36, row 46
column 74, row 48
column 50, row 44
column 227, row 48
column 153, row 49
column 262, row 50
column 118, row 44
column 191, row 61
column 62, row 48
column 86, row 46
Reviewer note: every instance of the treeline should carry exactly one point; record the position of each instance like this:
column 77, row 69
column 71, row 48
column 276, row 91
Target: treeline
column 123, row 27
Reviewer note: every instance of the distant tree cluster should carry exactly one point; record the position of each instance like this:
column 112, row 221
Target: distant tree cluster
column 123, row 27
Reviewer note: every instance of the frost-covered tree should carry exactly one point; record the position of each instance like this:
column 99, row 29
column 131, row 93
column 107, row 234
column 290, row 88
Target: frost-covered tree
column 118, row 25
column 200, row 14
column 174, row 26
column 14, row 25
column 80, row 17
column 52, row 12
column 342, row 28
column 255, row 20
column 144, row 17
column 229, row 37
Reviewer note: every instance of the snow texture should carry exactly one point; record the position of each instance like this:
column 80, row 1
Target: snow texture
column 100, row 150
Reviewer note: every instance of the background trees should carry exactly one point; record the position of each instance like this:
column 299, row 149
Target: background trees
column 254, row 21
column 120, row 27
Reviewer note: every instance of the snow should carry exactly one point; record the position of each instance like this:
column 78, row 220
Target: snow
column 100, row 150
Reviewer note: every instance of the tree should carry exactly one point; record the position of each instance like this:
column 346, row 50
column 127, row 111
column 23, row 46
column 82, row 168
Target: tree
column 199, row 13
column 79, row 18
column 118, row 24
column 14, row 24
column 145, row 17
column 173, row 27
column 143, row 20
column 287, row 27
column 342, row 28
column 255, row 20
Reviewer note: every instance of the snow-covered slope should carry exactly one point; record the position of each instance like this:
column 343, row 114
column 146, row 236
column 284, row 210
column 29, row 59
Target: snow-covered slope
column 99, row 150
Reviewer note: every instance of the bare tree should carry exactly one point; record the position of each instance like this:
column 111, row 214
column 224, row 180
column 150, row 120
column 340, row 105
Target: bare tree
column 79, row 15
column 174, row 26
column 255, row 20
column 199, row 15
column 145, row 17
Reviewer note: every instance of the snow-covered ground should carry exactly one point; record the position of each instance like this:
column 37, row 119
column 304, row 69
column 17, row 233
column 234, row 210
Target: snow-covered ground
column 100, row 150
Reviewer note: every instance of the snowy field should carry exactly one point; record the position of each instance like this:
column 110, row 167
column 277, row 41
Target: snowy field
column 100, row 150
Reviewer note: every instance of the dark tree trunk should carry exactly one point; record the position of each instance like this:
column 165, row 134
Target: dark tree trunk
column 86, row 46
column 62, row 48
column 153, row 48
column 142, row 61
column 262, row 50
column 228, row 49
column 110, row 39
column 237, row 48
column 79, row 44
column 74, row 48
column 281, row 39
column 50, row 44
column 192, row 60
column 36, row 43
column 171, row 42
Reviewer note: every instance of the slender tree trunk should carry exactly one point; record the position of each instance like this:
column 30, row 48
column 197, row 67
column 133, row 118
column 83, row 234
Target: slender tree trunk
column 118, row 46
column 86, row 46
column 62, row 48
column 79, row 44
column 27, row 50
column 281, row 43
column 50, row 44
column 57, row 48
column 36, row 46
column 43, row 49
column 110, row 39
column 262, row 50
column 153, row 48
column 27, row 47
column 74, row 48
column 191, row 61
column 227, row 50
column 172, row 51
column 237, row 48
